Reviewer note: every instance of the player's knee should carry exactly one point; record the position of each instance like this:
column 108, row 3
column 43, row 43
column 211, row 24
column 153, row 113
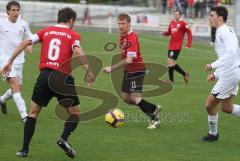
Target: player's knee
column 209, row 109
column 33, row 113
column 135, row 100
column 170, row 62
column 74, row 110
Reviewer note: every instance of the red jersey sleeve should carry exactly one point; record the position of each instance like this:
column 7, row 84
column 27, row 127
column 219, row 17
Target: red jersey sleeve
column 40, row 34
column 189, row 35
column 76, row 40
column 168, row 32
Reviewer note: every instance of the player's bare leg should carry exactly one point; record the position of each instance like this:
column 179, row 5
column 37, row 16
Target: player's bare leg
column 171, row 64
column 70, row 125
column 127, row 98
column 230, row 108
column 211, row 104
column 29, row 128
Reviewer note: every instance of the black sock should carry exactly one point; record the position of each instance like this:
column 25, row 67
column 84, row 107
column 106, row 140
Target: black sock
column 179, row 69
column 29, row 129
column 70, row 126
column 170, row 73
column 146, row 107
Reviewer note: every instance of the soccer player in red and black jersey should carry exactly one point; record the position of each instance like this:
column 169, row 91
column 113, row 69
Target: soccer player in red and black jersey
column 58, row 44
column 177, row 30
column 134, row 71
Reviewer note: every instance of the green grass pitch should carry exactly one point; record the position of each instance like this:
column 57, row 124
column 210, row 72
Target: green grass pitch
column 184, row 118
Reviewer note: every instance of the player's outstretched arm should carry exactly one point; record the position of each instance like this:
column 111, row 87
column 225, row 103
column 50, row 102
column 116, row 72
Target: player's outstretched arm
column 189, row 38
column 83, row 60
column 7, row 67
column 122, row 63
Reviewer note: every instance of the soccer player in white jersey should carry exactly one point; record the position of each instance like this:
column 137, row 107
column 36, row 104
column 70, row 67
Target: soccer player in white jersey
column 12, row 31
column 227, row 72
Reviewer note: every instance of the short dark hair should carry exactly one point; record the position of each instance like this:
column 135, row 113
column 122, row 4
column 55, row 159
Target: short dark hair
column 12, row 3
column 124, row 16
column 65, row 14
column 221, row 11
column 178, row 12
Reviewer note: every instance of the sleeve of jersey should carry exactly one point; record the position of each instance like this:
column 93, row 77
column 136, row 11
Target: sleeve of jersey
column 132, row 51
column 76, row 41
column 168, row 32
column 36, row 37
column 27, row 32
column 189, row 36
column 228, row 56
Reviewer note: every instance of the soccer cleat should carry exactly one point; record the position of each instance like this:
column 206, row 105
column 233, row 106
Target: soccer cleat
column 66, row 147
column 186, row 78
column 210, row 138
column 153, row 124
column 3, row 107
column 155, row 118
column 22, row 153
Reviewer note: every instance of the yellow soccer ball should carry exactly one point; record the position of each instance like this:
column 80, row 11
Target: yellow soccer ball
column 115, row 117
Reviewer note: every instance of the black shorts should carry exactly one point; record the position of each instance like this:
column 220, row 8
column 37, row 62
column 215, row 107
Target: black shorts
column 51, row 83
column 133, row 82
column 173, row 54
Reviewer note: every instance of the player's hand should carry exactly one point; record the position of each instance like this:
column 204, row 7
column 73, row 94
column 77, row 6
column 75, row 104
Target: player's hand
column 90, row 78
column 162, row 34
column 28, row 49
column 207, row 67
column 210, row 78
column 6, row 69
column 107, row 69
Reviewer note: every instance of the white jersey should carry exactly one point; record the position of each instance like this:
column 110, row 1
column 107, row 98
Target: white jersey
column 228, row 52
column 11, row 34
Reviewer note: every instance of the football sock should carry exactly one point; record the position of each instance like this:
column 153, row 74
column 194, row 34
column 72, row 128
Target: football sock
column 70, row 126
column 20, row 104
column 7, row 95
column 29, row 129
column 170, row 73
column 147, row 107
column 236, row 110
column 179, row 69
column 212, row 122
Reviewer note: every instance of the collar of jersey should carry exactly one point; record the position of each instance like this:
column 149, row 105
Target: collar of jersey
column 128, row 33
column 59, row 25
column 179, row 20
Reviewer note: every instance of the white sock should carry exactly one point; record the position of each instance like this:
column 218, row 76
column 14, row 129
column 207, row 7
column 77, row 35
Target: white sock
column 20, row 104
column 236, row 110
column 7, row 95
column 212, row 122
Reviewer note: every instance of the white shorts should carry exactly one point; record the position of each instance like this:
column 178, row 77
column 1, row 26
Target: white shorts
column 16, row 71
column 225, row 88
